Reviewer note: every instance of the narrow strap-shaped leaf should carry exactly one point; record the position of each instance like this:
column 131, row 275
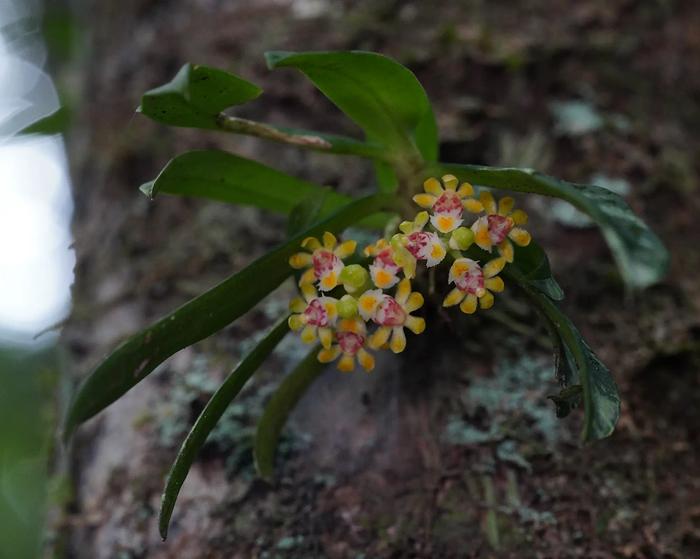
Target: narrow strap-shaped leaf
column 225, row 177
column 640, row 255
column 383, row 97
column 195, row 97
column 290, row 391
column 579, row 365
column 199, row 318
column 210, row 416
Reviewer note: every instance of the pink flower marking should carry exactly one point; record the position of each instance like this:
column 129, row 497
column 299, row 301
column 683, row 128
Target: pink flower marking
column 316, row 314
column 390, row 313
column 471, row 282
column 499, row 227
column 350, row 342
column 449, row 202
column 324, row 262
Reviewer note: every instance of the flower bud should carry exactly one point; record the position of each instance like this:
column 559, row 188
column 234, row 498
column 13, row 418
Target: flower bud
column 347, row 306
column 355, row 279
column 462, row 238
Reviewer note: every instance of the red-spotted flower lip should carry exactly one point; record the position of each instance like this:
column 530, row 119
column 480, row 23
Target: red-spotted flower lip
column 419, row 242
column 499, row 227
column 385, row 260
column 350, row 342
column 324, row 261
column 316, row 314
column 471, row 281
column 389, row 312
column 449, row 202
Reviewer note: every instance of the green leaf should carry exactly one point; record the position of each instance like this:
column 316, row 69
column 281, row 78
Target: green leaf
column 201, row 317
column 225, row 177
column 55, row 123
column 306, row 212
column 195, row 97
column 210, row 416
column 640, row 255
column 283, row 401
column 532, row 261
column 383, row 97
column 578, row 364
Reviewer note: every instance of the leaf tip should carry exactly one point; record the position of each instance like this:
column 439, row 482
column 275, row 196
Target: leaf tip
column 274, row 58
column 148, row 189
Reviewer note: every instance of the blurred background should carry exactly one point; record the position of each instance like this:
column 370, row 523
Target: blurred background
column 406, row 462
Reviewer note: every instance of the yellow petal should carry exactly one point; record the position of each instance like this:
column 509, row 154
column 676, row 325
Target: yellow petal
column 465, row 190
column 424, row 200
column 415, row 302
column 432, row 186
column 296, row 322
column 486, row 300
column 454, row 297
column 308, row 277
column 493, row 267
column 420, row 221
column 309, row 292
column 406, row 227
column 520, row 236
column 505, row 249
column 468, row 306
column 300, row 260
column 486, row 199
column 365, row 359
column 346, row 363
column 403, row 291
column 329, row 240
column 495, row 284
column 345, row 249
column 326, row 355
column 450, row 182
column 472, row 205
column 308, row 334
column 415, row 324
column 311, row 243
column 380, row 337
column 368, row 302
column 481, row 234
column 325, row 335
column 505, row 205
column 519, row 217
column 297, row 305
column 398, row 340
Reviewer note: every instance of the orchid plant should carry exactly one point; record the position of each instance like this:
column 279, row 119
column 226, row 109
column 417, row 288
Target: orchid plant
column 354, row 301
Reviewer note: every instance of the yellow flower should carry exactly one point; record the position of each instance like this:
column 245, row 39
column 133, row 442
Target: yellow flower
column 392, row 314
column 474, row 283
column 315, row 316
column 384, row 270
column 324, row 261
column 448, row 203
column 499, row 226
column 414, row 244
column 351, row 338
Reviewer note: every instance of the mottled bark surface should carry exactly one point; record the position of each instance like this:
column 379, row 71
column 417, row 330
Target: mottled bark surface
column 452, row 451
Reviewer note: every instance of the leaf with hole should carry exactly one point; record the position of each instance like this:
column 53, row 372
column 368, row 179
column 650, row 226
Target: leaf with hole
column 195, row 97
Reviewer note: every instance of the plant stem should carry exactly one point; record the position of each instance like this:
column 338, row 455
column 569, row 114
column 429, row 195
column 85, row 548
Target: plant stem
column 328, row 143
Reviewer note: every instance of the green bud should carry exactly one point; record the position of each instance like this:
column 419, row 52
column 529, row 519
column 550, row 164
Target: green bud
column 347, row 306
column 462, row 238
column 355, row 279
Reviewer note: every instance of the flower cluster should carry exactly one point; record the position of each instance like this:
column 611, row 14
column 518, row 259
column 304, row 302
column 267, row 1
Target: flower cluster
column 350, row 308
